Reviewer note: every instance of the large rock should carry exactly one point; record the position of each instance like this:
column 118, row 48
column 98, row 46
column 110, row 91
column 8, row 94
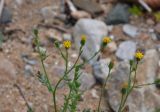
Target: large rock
column 126, row 50
column 144, row 99
column 94, row 30
column 147, row 70
column 118, row 15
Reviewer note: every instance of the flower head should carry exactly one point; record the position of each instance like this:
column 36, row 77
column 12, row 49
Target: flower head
column 124, row 88
column 83, row 39
column 139, row 55
column 67, row 44
column 106, row 40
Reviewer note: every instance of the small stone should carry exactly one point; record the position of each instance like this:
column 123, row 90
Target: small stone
column 67, row 36
column 126, row 50
column 130, row 30
column 94, row 93
column 150, row 22
column 28, row 70
column 157, row 28
column 112, row 46
column 92, row 8
column 6, row 16
column 118, row 15
column 101, row 70
column 87, row 81
column 7, row 70
column 80, row 14
column 48, row 13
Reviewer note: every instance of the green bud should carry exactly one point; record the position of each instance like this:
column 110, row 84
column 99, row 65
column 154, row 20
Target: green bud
column 35, row 31
column 111, row 64
column 124, row 91
column 57, row 44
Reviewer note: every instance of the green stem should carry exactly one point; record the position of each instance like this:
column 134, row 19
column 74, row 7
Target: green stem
column 129, row 90
column 55, row 89
column 119, row 110
column 80, row 52
column 44, row 69
column 141, row 85
column 102, row 90
column 67, row 101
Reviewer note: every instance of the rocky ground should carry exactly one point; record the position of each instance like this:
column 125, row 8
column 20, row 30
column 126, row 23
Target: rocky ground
column 19, row 62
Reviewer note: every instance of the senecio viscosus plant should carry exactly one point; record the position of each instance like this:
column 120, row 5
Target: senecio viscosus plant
column 74, row 94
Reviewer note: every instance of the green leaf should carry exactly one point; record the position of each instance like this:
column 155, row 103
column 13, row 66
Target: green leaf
column 157, row 16
column 1, row 38
column 136, row 10
column 157, row 81
column 35, row 31
column 111, row 64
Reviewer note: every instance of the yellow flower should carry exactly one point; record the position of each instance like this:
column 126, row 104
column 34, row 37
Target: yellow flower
column 125, row 85
column 106, row 40
column 83, row 39
column 67, row 44
column 139, row 55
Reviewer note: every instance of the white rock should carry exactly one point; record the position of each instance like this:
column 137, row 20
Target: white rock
column 130, row 30
column 94, row 30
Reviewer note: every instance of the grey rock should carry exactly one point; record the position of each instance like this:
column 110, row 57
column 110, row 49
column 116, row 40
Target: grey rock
column 92, row 8
column 48, row 13
column 8, row 72
column 130, row 30
column 118, row 15
column 87, row 80
column 126, row 50
column 19, row 2
column 144, row 99
column 147, row 70
column 6, row 16
column 67, row 36
column 112, row 47
column 27, row 60
column 101, row 70
column 28, row 70
column 94, row 30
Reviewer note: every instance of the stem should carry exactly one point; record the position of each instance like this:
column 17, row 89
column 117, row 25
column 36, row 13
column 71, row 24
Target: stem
column 55, row 89
column 69, row 95
column 129, row 90
column 67, row 101
column 119, row 110
column 90, row 58
column 102, row 90
column 80, row 52
column 141, row 85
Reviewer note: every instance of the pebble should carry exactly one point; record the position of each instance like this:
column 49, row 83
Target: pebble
column 126, row 50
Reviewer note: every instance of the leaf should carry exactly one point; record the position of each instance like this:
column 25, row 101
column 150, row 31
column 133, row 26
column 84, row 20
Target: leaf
column 135, row 10
column 111, row 64
column 1, row 38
